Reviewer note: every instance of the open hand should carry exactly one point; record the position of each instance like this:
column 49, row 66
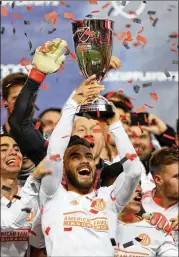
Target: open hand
column 50, row 56
column 40, row 170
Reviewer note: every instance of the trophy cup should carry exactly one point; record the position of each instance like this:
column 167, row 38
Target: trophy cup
column 93, row 41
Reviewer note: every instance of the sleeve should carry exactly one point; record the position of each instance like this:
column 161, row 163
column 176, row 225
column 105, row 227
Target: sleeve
column 30, row 140
column 38, row 240
column 58, row 143
column 126, row 183
column 168, row 248
column 15, row 217
column 167, row 141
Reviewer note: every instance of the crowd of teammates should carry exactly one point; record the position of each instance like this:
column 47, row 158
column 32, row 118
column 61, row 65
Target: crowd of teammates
column 77, row 186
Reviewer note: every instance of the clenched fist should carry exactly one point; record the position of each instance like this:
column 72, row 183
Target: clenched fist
column 49, row 56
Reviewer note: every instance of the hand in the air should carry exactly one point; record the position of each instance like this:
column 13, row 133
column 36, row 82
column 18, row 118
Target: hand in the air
column 50, row 56
column 87, row 91
column 115, row 63
column 156, row 125
column 40, row 170
column 158, row 220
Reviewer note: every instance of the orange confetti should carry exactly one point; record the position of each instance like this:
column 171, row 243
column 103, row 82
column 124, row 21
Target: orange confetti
column 122, row 36
column 69, row 15
column 73, row 56
column 105, row 5
column 140, row 109
column 54, row 157
column 62, row 3
column 93, row 2
column 129, row 36
column 154, row 96
column 44, row 87
column 3, row 10
column 131, row 157
column 123, row 117
column 115, row 34
column 37, row 125
column 96, row 11
column 149, row 106
column 17, row 16
column 130, row 81
column 41, row 28
column 142, row 39
column 62, row 67
column 29, row 8
column 26, row 63
column 129, row 97
column 98, row 114
column 22, row 59
column 140, row 31
column 173, row 44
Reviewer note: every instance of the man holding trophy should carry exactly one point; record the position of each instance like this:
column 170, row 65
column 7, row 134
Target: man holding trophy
column 76, row 220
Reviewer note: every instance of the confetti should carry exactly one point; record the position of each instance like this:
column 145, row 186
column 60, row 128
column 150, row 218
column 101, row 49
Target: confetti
column 30, row 45
column 131, row 157
column 17, row 16
column 149, row 84
column 89, row 16
column 34, row 187
column 5, row 188
column 69, row 15
column 169, row 137
column 55, row 157
column 62, row 3
column 93, row 2
column 123, row 3
column 136, row 20
column 167, row 74
column 37, row 125
column 9, row 204
column 149, row 106
column 17, row 197
column 122, row 36
column 3, row 11
column 13, row 4
column 67, row 229
column 47, row 231
column 25, row 34
column 32, row 232
column 155, row 22
column 130, row 81
column 110, row 11
column 174, row 62
column 29, row 8
column 151, row 12
column 73, row 56
column 140, row 31
column 113, row 241
column 32, row 53
column 98, row 113
column 120, row 91
column 136, row 89
column 45, row 87
column 14, row 31
column 51, row 31
column 105, row 5
column 126, row 45
column 27, row 22
column 154, row 96
column 128, row 244
column 2, row 30
column 65, row 136
column 141, row 39
column 36, row 107
column 51, row 17
column 96, row 11
column 140, row 109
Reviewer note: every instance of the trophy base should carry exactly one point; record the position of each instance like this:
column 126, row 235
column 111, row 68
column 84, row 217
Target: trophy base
column 100, row 108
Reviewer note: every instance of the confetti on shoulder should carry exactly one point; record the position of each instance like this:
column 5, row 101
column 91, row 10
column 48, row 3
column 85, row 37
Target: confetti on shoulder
column 65, row 136
column 55, row 157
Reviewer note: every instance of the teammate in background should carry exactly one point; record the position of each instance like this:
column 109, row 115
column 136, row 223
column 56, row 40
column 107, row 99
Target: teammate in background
column 137, row 237
column 18, row 205
column 164, row 197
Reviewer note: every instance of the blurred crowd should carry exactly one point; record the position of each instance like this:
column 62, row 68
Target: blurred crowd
column 146, row 225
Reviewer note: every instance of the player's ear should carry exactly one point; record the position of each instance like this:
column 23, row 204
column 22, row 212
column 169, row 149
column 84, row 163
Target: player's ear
column 158, row 180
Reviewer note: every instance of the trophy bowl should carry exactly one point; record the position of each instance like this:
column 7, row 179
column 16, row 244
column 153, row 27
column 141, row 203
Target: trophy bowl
column 93, row 42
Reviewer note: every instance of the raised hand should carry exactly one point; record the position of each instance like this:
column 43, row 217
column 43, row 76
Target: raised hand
column 50, row 56
column 40, row 170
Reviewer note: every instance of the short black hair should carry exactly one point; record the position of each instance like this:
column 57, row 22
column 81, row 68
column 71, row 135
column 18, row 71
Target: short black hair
column 76, row 140
column 10, row 80
column 53, row 109
column 120, row 101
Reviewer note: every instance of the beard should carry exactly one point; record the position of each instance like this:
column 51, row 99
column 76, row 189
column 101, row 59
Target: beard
column 83, row 186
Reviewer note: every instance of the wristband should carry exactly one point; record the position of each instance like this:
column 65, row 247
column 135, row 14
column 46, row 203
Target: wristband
column 37, row 75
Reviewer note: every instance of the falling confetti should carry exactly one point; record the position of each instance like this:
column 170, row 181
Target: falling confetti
column 155, row 22
column 136, row 89
column 13, row 4
column 2, row 30
column 51, row 31
column 37, row 125
column 30, row 45
column 27, row 22
column 5, row 188
column 3, row 10
column 47, row 231
column 69, row 15
column 123, row 3
column 55, row 157
column 17, row 16
column 154, row 96
column 14, row 31
column 151, row 12
column 167, row 74
column 147, row 84
column 136, row 20
column 29, row 8
column 93, row 2
column 113, row 241
column 140, row 109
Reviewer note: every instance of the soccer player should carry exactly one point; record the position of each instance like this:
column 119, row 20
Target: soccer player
column 164, row 197
column 18, row 205
column 137, row 237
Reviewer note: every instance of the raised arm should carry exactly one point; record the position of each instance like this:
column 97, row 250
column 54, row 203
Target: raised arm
column 125, row 184
column 15, row 217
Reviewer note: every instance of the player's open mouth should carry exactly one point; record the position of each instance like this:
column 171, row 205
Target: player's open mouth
column 11, row 162
column 138, row 199
column 84, row 171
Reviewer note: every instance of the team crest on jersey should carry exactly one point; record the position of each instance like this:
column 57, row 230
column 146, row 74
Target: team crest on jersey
column 98, row 205
column 74, row 202
column 146, row 241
